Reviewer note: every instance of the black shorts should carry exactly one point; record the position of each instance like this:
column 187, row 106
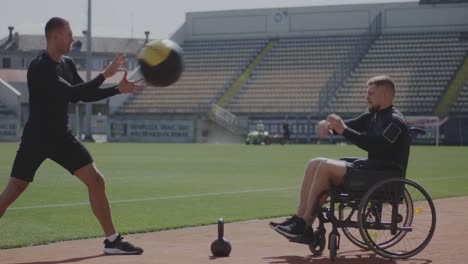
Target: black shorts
column 361, row 177
column 68, row 152
column 349, row 169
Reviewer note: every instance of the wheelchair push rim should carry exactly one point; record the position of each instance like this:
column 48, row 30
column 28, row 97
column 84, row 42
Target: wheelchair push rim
column 354, row 235
column 408, row 235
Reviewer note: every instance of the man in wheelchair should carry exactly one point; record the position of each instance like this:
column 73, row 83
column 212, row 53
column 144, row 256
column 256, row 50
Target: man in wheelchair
column 382, row 132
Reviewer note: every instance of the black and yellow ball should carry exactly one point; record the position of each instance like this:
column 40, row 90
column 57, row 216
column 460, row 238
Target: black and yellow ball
column 161, row 62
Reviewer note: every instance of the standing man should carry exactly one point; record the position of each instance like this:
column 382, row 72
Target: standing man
column 53, row 82
column 380, row 132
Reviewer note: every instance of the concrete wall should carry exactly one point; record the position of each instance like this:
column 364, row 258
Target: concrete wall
column 151, row 130
column 180, row 34
column 412, row 18
column 324, row 20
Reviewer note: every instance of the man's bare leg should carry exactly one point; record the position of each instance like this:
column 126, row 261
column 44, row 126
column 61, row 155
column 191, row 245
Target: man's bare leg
column 12, row 191
column 329, row 173
column 94, row 180
column 307, row 180
column 309, row 175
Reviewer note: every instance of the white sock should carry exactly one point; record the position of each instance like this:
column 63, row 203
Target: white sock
column 113, row 237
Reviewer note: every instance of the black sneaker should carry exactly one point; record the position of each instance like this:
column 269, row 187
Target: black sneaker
column 288, row 221
column 294, row 229
column 121, row 247
column 307, row 237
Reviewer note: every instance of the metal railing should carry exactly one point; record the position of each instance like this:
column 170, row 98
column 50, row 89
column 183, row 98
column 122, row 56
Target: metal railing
column 10, row 97
column 227, row 120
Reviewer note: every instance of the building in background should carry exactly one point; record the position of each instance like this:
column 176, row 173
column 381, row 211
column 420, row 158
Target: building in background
column 285, row 65
column 18, row 50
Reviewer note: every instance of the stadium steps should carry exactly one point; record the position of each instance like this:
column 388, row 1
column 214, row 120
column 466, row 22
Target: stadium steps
column 454, row 90
column 350, row 62
column 234, row 89
column 461, row 104
column 223, row 117
column 419, row 75
column 290, row 77
column 211, row 66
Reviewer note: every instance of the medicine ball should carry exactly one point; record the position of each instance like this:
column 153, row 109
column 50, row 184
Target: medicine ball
column 161, row 62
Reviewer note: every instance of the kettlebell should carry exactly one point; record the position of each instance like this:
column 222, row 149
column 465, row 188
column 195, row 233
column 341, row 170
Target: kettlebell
column 220, row 247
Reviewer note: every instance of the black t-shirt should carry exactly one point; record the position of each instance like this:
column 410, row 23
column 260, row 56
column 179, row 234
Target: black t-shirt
column 52, row 85
column 382, row 134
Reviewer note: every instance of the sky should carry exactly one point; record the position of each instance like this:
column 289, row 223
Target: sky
column 130, row 18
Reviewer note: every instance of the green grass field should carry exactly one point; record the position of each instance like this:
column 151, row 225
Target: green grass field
column 163, row 186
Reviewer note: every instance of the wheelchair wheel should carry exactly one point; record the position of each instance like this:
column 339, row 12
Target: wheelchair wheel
column 396, row 218
column 352, row 234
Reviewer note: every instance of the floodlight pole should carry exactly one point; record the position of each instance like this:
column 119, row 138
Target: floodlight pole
column 89, row 64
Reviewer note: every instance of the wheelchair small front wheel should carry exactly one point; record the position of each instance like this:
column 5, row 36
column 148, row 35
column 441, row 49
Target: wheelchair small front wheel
column 318, row 247
column 396, row 218
column 333, row 242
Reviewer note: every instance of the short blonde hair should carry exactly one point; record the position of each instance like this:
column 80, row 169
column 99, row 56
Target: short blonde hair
column 383, row 80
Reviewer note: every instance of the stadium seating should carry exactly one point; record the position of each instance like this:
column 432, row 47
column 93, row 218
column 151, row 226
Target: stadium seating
column 4, row 110
column 421, row 64
column 461, row 104
column 210, row 67
column 291, row 76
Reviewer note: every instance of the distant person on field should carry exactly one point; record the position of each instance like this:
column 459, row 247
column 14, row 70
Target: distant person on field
column 53, row 82
column 260, row 126
column 380, row 132
column 286, row 133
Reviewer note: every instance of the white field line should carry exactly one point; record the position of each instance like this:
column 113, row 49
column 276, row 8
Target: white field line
column 157, row 198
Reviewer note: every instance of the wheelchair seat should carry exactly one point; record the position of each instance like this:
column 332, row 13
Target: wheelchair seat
column 366, row 173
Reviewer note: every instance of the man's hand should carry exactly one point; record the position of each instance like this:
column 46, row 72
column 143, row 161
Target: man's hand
column 114, row 66
column 336, row 123
column 323, row 129
column 126, row 86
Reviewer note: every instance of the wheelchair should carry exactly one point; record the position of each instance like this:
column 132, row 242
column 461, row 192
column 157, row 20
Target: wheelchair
column 379, row 210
